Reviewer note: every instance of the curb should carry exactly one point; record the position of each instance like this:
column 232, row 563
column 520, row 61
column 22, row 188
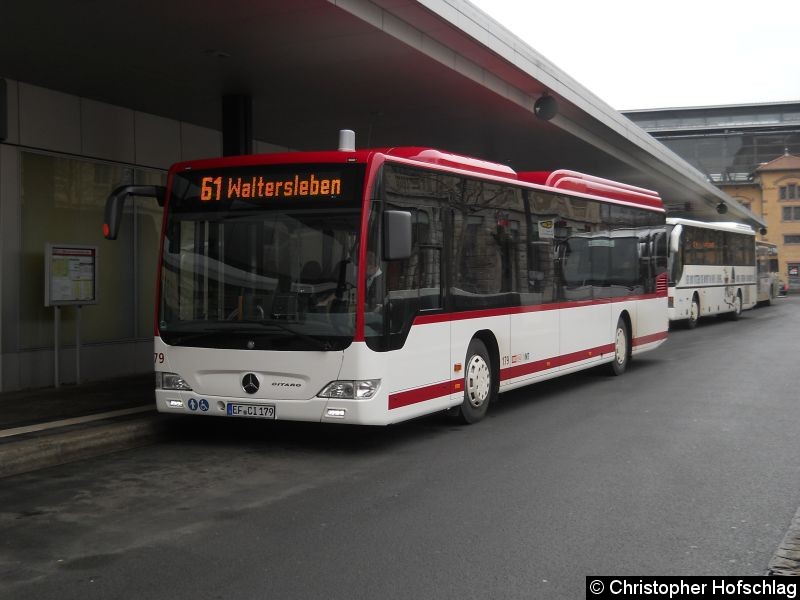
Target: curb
column 786, row 560
column 75, row 443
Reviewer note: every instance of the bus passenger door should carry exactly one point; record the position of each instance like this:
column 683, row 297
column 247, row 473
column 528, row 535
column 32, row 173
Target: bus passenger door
column 414, row 329
column 585, row 311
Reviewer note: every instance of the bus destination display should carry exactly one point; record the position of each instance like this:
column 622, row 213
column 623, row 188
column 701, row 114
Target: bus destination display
column 285, row 186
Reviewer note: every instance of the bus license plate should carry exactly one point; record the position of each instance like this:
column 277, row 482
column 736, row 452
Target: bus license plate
column 255, row 411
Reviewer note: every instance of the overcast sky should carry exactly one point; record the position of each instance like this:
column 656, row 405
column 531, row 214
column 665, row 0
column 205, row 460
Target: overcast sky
column 655, row 54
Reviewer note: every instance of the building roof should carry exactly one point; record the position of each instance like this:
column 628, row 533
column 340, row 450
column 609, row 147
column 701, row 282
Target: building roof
column 787, row 162
column 438, row 73
column 686, row 120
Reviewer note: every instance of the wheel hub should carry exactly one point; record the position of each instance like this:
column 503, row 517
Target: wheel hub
column 478, row 381
column 620, row 346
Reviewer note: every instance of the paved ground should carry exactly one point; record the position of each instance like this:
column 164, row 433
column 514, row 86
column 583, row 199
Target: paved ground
column 686, row 465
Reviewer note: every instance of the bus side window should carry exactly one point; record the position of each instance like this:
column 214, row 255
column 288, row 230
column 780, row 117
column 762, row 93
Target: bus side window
column 541, row 255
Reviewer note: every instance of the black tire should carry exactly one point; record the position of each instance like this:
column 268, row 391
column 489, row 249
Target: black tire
column 480, row 387
column 622, row 348
column 737, row 307
column 694, row 313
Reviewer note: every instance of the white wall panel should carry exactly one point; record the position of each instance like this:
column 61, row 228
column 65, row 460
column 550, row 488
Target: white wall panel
column 267, row 148
column 158, row 140
column 107, row 131
column 199, row 142
column 12, row 89
column 49, row 119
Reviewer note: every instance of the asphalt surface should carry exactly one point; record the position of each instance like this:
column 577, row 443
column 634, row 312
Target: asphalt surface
column 686, row 465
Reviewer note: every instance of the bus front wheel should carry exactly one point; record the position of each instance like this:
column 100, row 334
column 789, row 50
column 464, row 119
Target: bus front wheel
column 622, row 348
column 479, row 386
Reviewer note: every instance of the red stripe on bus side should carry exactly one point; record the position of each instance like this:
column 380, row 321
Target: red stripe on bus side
column 429, row 392
column 556, row 361
column 445, row 388
column 649, row 339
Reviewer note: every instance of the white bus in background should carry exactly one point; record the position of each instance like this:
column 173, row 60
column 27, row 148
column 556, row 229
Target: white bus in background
column 712, row 269
column 769, row 281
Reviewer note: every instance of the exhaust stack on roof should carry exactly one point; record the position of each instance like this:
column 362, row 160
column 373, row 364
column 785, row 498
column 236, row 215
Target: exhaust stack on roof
column 347, row 140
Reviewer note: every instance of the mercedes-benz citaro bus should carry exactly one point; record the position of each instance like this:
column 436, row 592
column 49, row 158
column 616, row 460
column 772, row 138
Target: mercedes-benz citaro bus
column 375, row 286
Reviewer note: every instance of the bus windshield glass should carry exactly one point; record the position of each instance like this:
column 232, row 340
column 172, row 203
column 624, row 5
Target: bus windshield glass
column 262, row 257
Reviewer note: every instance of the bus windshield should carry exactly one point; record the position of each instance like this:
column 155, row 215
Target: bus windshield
column 262, row 257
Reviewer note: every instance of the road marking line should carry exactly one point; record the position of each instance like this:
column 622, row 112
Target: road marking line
column 74, row 421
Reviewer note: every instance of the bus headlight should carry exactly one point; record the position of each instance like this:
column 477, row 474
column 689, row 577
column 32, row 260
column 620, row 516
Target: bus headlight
column 351, row 390
column 171, row 381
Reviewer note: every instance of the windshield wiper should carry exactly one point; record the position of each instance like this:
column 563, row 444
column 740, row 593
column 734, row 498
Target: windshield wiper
column 183, row 337
column 319, row 344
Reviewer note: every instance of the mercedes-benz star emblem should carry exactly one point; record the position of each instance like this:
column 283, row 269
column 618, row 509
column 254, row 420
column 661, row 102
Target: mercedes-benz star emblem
column 250, row 383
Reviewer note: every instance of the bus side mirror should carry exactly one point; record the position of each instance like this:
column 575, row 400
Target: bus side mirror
column 396, row 234
column 115, row 204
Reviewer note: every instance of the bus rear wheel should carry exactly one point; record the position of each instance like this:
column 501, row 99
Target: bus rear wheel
column 737, row 307
column 479, row 385
column 622, row 348
column 694, row 313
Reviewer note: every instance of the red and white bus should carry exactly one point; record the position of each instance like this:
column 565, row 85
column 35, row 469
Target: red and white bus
column 375, row 286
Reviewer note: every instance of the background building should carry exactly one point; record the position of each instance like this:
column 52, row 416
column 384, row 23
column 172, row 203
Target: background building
column 752, row 152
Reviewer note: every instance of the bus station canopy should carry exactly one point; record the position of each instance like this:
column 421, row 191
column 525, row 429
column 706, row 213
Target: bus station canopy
column 437, row 73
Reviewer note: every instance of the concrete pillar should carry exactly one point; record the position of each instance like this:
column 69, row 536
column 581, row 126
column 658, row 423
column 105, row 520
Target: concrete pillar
column 237, row 125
